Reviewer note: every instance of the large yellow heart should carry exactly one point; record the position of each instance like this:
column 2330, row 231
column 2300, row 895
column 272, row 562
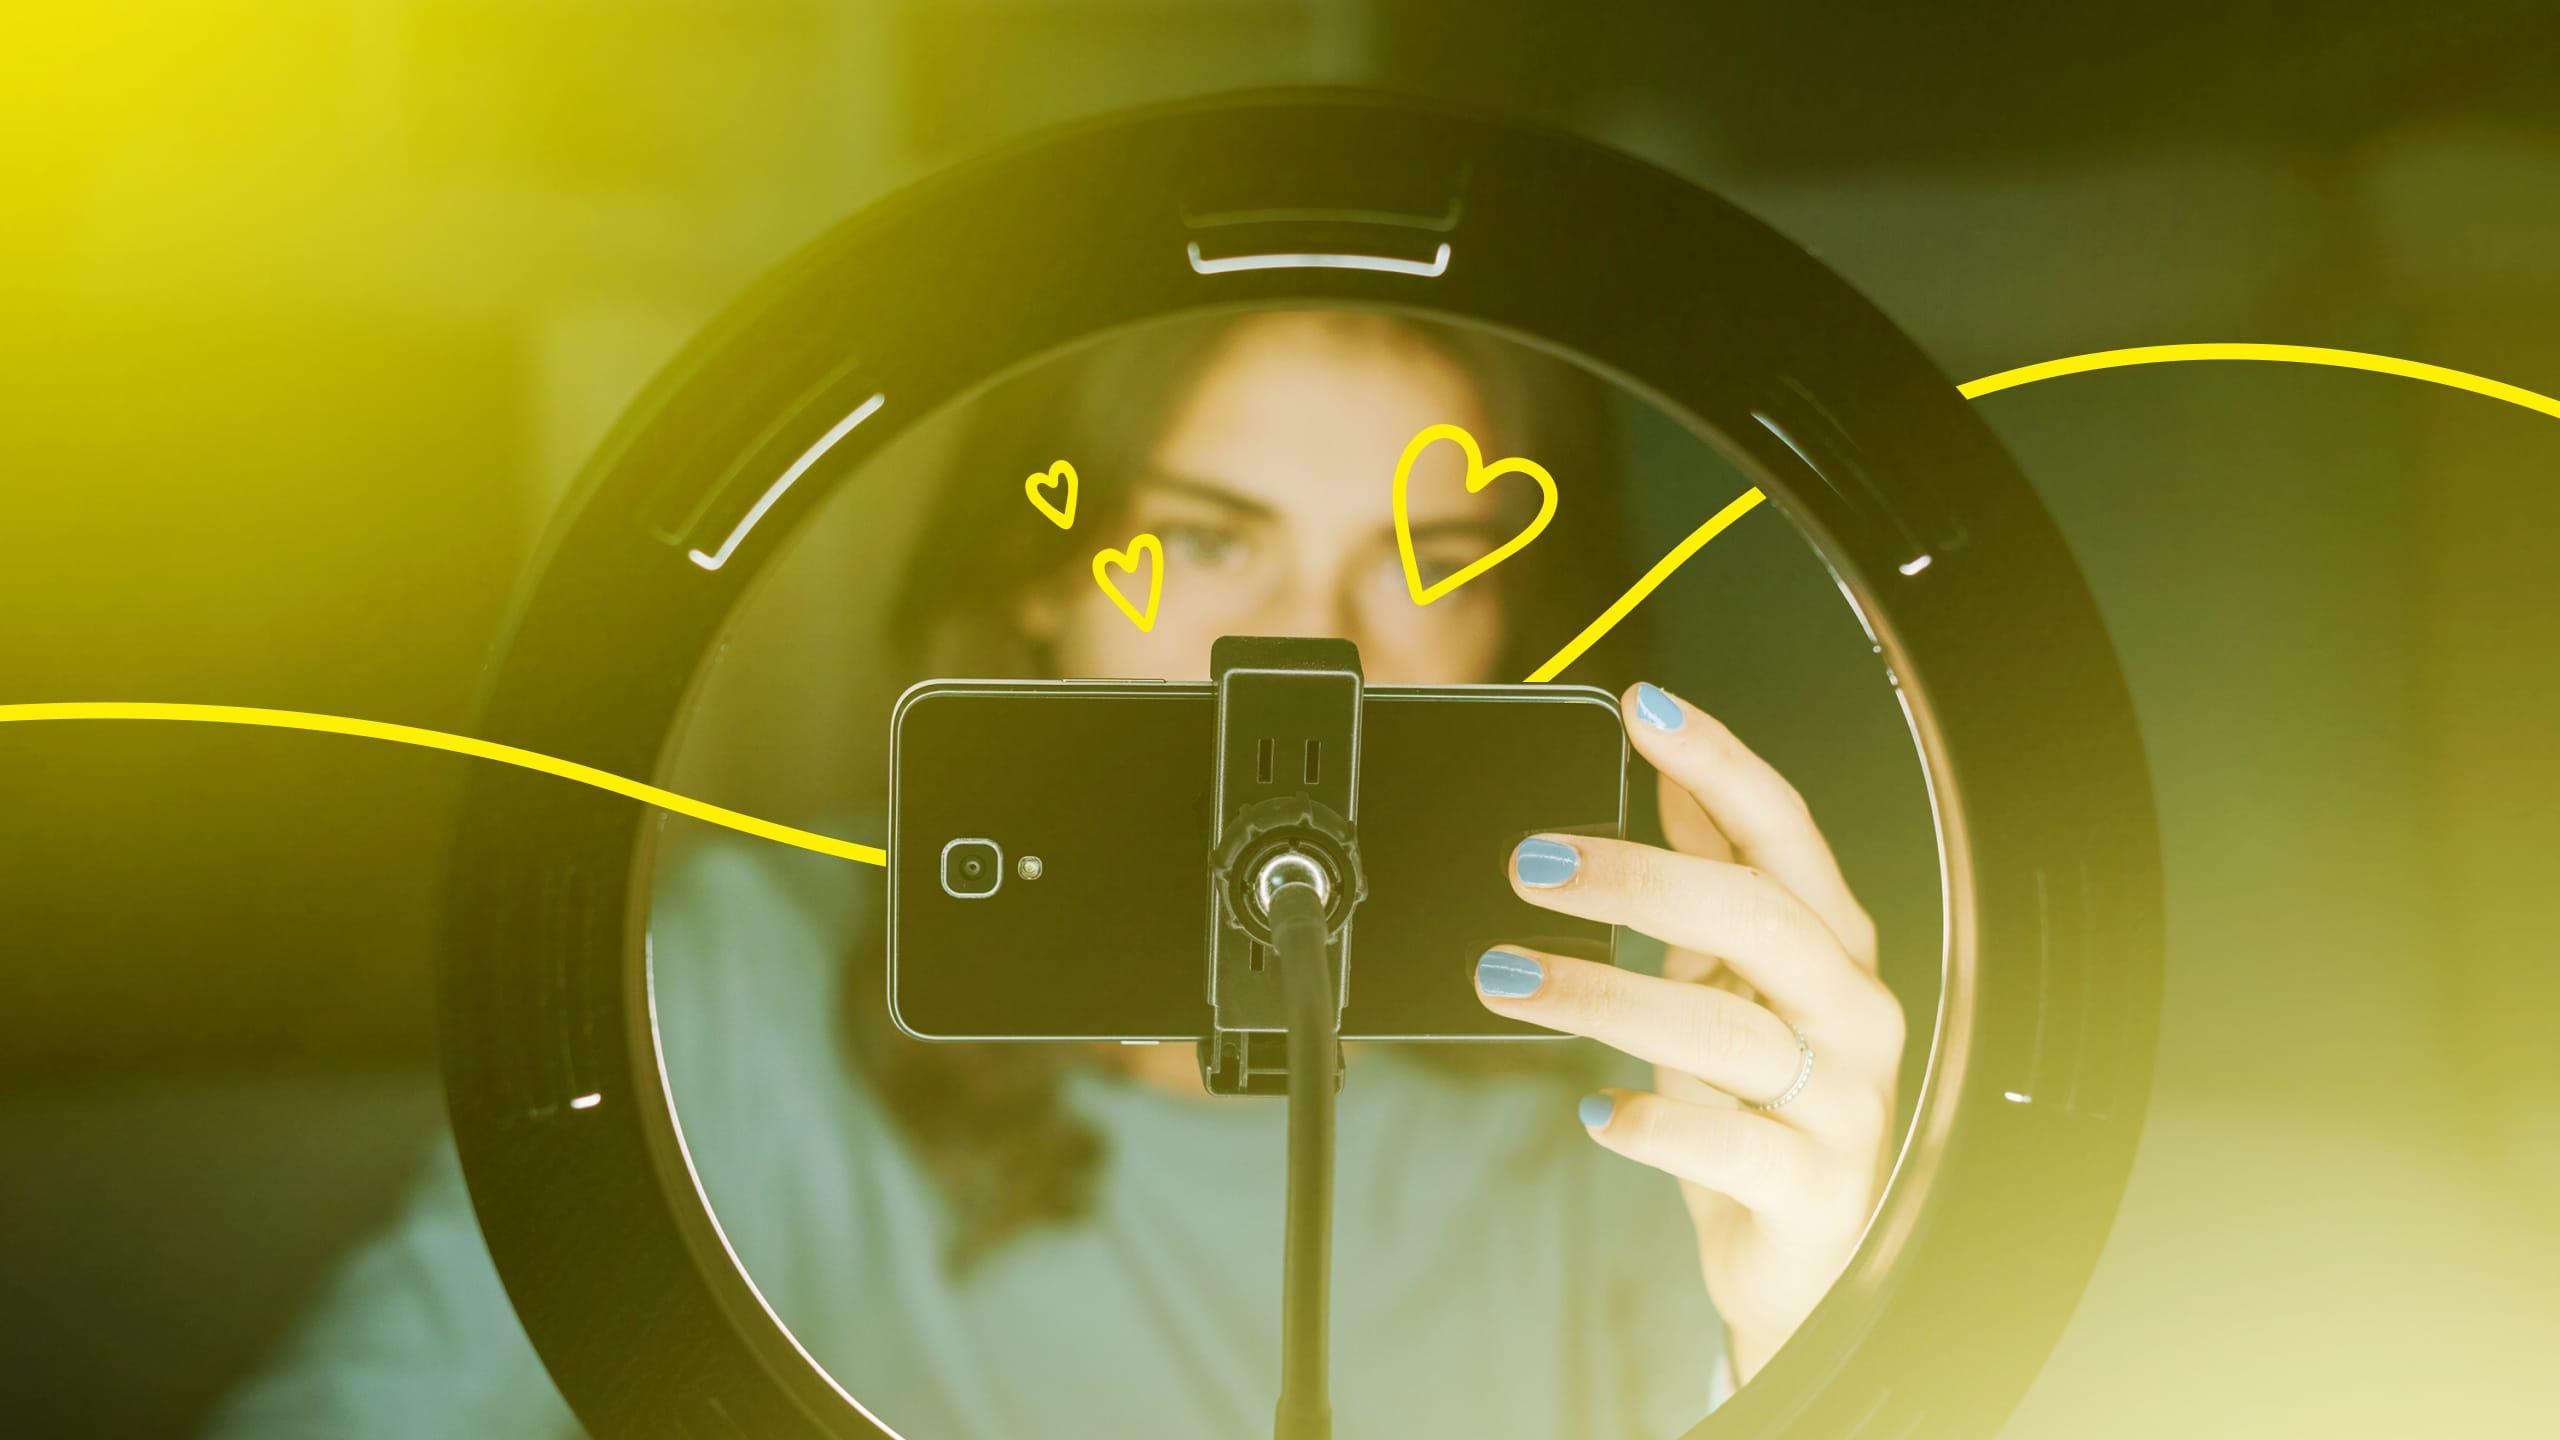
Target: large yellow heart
column 1110, row 559
column 1479, row 475
column 1062, row 473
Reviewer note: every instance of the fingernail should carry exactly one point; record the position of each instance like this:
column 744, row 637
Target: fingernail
column 1657, row 709
column 1544, row 864
column 1509, row 976
column 1595, row 1111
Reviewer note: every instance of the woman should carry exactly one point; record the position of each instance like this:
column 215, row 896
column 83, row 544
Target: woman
column 980, row 1240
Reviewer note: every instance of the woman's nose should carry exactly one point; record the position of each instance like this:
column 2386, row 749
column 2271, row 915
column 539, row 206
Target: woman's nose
column 1305, row 607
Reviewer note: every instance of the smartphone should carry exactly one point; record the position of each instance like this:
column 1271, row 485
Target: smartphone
column 1049, row 844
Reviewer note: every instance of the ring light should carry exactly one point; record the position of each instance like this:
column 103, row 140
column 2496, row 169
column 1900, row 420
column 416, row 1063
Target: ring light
column 2025, row 1126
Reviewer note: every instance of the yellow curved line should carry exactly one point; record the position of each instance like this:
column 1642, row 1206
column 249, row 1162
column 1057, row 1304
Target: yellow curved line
column 2053, row 370
column 1738, row 507
column 2286, row 354
column 1608, row 619
column 459, row 745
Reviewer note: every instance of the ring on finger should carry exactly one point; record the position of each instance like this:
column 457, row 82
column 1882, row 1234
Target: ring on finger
column 1804, row 1074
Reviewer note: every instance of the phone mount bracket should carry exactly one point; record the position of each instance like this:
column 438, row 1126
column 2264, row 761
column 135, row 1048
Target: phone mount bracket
column 1287, row 796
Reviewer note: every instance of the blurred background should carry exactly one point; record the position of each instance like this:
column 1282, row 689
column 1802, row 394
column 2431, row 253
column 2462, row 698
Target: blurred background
column 312, row 311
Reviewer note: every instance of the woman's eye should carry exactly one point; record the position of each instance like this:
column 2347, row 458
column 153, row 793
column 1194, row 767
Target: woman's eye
column 1204, row 546
column 1436, row 568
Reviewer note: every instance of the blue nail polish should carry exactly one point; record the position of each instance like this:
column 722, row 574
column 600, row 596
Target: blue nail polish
column 1544, row 864
column 1657, row 709
column 1509, row 976
column 1595, row 1111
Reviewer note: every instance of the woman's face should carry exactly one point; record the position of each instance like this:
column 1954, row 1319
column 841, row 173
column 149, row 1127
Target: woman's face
column 1270, row 490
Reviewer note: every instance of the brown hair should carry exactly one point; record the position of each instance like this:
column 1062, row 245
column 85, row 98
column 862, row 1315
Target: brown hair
column 987, row 1120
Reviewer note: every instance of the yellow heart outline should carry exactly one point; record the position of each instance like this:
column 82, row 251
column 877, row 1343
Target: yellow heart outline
column 1039, row 480
column 1128, row 560
column 1479, row 475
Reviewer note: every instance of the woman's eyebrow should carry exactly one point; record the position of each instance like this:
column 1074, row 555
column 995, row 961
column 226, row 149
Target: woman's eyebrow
column 1206, row 491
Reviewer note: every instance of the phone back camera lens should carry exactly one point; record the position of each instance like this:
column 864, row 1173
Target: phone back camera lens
column 972, row 869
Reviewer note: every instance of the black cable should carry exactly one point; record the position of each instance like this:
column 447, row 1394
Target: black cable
column 1315, row 1041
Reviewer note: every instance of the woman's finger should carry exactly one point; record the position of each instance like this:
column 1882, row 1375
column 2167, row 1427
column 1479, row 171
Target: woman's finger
column 1685, row 824
column 1721, row 1038
column 1751, row 804
column 1754, row 924
column 1697, row 969
column 1764, row 1166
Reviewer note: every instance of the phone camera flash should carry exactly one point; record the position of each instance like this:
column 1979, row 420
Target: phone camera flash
column 1029, row 867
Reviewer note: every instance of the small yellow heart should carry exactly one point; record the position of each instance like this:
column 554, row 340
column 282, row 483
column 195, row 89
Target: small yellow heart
column 1147, row 545
column 1479, row 475
column 1062, row 473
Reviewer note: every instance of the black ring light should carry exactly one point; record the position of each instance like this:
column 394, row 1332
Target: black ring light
column 2040, row 1066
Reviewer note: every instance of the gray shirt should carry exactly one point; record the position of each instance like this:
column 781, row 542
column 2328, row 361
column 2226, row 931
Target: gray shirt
column 1496, row 1273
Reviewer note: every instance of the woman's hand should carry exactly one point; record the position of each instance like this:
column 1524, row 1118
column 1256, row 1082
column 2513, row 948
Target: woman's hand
column 1764, row 936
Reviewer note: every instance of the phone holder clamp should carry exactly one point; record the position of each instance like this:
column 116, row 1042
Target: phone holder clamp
column 1287, row 798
